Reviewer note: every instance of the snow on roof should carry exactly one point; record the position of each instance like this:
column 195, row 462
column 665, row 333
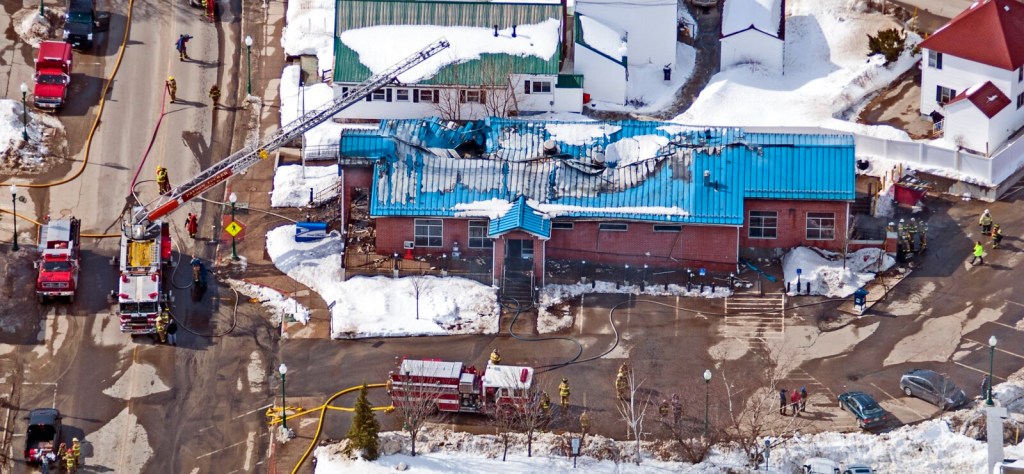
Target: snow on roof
column 507, row 376
column 579, row 133
column 491, row 208
column 762, row 15
column 380, row 47
column 602, row 38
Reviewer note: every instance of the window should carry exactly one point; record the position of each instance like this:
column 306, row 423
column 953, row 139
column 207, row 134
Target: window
column 428, row 95
column 1020, row 74
column 763, row 225
column 540, row 87
column 473, row 96
column 378, row 94
column 613, row 227
column 821, row 226
column 1020, row 100
column 402, row 95
column 561, row 225
column 527, row 251
column 935, row 59
column 428, row 232
column 344, row 91
column 668, row 228
column 478, row 235
column 944, row 94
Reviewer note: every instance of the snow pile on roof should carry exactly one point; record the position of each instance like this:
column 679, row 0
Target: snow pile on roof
column 47, row 141
column 824, row 269
column 634, row 149
column 764, row 15
column 491, row 208
column 380, row 47
column 309, row 30
column 579, row 133
column 34, row 29
column 383, row 307
column 291, row 188
column 279, row 305
column 825, row 74
column 603, row 38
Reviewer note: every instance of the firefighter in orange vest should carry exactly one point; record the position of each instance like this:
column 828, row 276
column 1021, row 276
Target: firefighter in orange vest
column 192, row 225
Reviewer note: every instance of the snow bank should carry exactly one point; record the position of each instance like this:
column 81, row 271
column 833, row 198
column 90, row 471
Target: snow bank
column 383, row 307
column 34, row 29
column 309, row 30
column 380, row 47
column 824, row 269
column 279, row 305
column 291, row 189
column 47, row 141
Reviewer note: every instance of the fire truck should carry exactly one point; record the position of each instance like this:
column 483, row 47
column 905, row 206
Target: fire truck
column 59, row 257
column 460, row 389
column 145, row 241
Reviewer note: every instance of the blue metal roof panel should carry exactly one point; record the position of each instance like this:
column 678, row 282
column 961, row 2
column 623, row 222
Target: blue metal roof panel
column 521, row 216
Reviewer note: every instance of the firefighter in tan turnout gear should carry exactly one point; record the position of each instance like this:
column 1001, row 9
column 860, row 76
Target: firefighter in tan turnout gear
column 563, row 392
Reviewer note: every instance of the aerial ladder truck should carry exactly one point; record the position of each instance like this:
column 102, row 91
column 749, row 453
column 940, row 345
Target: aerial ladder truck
column 145, row 241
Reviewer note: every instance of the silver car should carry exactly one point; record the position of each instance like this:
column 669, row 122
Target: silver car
column 933, row 387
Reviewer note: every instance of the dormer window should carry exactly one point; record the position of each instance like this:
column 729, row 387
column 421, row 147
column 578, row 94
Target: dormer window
column 935, row 59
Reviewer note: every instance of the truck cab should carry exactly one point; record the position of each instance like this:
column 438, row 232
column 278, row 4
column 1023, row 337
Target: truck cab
column 43, row 434
column 59, row 256
column 82, row 22
column 53, row 75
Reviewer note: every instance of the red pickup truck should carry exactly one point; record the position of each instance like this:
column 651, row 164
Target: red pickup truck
column 53, row 74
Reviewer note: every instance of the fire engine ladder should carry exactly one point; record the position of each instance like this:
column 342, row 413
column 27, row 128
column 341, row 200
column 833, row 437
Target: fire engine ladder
column 246, row 157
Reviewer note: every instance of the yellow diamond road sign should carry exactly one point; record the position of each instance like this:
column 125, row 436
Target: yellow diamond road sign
column 233, row 228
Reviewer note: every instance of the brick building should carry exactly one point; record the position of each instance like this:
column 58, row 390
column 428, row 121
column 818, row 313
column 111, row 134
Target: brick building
column 524, row 193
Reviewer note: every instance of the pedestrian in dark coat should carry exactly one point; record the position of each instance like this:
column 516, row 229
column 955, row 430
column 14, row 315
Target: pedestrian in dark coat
column 803, row 398
column 794, row 400
column 172, row 332
column 783, row 400
column 182, row 46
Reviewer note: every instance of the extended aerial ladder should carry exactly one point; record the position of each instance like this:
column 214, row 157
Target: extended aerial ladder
column 241, row 160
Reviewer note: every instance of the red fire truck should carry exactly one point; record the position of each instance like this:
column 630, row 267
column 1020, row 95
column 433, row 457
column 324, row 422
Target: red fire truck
column 58, row 265
column 460, row 389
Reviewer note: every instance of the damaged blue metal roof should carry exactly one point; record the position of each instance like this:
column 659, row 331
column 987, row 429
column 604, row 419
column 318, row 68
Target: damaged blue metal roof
column 523, row 217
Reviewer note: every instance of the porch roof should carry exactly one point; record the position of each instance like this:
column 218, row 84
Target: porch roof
column 523, row 217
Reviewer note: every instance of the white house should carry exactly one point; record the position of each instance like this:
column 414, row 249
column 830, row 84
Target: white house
column 973, row 75
column 601, row 53
column 504, row 58
column 754, row 31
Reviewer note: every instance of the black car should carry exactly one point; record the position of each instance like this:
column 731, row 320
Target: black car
column 43, row 433
column 82, row 22
column 931, row 386
column 864, row 408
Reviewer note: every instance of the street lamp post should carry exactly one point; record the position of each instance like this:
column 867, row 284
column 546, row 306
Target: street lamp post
column 991, row 357
column 283, row 369
column 707, row 399
column 248, row 61
column 24, row 112
column 14, row 203
column 42, row 12
column 234, row 250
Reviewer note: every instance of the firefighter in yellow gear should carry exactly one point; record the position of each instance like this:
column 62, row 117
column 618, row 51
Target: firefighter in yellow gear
column 172, row 88
column 620, row 381
column 215, row 95
column 76, row 450
column 545, row 403
column 161, row 325
column 495, row 357
column 563, row 392
column 69, row 461
column 584, row 422
column 162, row 180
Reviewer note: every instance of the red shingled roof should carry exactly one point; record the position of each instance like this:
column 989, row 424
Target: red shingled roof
column 990, row 32
column 986, row 97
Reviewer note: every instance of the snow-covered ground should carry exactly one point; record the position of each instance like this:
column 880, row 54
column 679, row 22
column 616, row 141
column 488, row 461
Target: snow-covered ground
column 827, row 72
column 309, row 30
column 381, row 306
column 279, row 305
column 295, row 101
column 824, row 269
column 291, row 188
column 33, row 28
column 46, row 145
column 647, row 90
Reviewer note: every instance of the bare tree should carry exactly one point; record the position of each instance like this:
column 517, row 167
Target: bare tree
column 415, row 399
column 633, row 408
column 448, row 105
column 530, row 413
column 496, row 92
column 419, row 285
column 682, row 417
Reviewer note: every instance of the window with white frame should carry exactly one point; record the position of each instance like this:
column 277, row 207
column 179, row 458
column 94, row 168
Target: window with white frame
column 540, row 87
column 379, row 94
column 944, row 94
column 935, row 59
column 478, row 235
column 613, row 227
column 427, row 95
column 428, row 232
column 471, row 96
column 821, row 226
column 402, row 95
column 763, row 225
column 561, row 225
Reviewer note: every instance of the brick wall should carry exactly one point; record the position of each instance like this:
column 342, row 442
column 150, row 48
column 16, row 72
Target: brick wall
column 392, row 232
column 354, row 177
column 792, row 223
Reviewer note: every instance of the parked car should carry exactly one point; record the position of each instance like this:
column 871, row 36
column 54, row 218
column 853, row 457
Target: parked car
column 43, row 433
column 820, row 466
column 53, row 75
column 857, row 469
column 82, row 22
column 932, row 386
column 864, row 408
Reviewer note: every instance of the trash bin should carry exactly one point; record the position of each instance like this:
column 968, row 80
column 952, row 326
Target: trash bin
column 310, row 231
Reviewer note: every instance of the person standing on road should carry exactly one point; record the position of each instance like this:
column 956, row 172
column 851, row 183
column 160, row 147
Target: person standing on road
column 192, row 225
column 783, row 401
column 495, row 357
column 979, row 253
column 172, row 88
column 803, row 398
column 215, row 95
column 182, row 46
column 76, row 450
column 162, row 180
column 69, row 461
column 997, row 236
column 563, row 392
column 620, row 382
column 46, row 459
column 172, row 332
column 794, row 400
column 161, row 326
column 985, row 221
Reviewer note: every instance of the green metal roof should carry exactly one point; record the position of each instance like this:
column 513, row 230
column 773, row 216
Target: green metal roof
column 490, row 69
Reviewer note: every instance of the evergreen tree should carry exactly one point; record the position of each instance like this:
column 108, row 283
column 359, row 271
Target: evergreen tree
column 362, row 435
column 889, row 42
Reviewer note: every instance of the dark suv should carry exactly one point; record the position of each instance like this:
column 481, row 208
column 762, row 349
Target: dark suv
column 82, row 22
column 931, row 386
column 43, row 435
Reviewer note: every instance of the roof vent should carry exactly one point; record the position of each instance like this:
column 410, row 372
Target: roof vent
column 992, row 98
